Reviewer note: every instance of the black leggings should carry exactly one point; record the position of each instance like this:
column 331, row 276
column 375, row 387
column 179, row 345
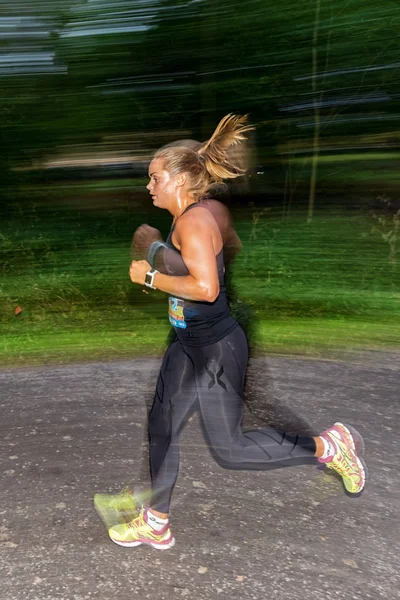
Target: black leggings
column 212, row 376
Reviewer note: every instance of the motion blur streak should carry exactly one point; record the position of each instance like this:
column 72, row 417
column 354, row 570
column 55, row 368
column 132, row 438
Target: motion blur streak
column 348, row 71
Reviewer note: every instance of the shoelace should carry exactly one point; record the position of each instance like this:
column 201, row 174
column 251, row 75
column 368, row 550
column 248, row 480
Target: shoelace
column 138, row 522
column 344, row 466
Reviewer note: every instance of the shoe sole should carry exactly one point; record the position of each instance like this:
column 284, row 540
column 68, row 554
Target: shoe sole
column 153, row 544
column 366, row 476
column 358, row 447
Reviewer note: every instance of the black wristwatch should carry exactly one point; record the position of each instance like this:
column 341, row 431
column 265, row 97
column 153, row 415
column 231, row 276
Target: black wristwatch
column 149, row 279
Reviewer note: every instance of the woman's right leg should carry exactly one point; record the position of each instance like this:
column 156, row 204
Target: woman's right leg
column 174, row 398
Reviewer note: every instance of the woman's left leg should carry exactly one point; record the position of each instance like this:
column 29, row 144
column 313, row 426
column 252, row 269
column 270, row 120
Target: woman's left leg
column 219, row 381
column 219, row 375
column 220, row 371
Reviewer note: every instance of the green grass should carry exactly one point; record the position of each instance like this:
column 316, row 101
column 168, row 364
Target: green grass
column 326, row 337
column 310, row 289
column 71, row 336
column 105, row 336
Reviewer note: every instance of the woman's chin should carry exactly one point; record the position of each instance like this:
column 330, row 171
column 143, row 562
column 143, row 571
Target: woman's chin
column 157, row 203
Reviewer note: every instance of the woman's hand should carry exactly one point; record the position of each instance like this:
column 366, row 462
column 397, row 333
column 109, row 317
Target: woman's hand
column 138, row 270
column 143, row 237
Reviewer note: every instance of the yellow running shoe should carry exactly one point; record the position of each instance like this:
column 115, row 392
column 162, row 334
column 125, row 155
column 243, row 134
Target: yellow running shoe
column 348, row 445
column 139, row 532
column 116, row 508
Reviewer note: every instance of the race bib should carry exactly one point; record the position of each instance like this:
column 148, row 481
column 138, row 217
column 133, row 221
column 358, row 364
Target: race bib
column 175, row 312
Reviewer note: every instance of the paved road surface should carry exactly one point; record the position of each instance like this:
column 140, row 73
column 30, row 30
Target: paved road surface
column 67, row 432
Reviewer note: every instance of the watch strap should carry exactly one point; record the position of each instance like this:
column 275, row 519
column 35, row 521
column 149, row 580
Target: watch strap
column 149, row 278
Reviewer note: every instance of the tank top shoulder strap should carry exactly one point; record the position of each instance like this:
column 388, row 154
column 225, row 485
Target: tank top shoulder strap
column 169, row 238
column 193, row 205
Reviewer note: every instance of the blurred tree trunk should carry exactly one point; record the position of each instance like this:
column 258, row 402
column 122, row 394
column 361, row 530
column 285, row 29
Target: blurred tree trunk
column 317, row 125
column 208, row 98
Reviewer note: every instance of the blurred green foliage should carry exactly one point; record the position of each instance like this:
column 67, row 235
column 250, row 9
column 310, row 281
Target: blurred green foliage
column 296, row 287
column 74, row 71
column 89, row 88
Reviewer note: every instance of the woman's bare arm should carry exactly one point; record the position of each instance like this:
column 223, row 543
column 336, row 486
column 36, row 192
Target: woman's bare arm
column 199, row 240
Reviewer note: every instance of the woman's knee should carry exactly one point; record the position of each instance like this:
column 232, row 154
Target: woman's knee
column 224, row 455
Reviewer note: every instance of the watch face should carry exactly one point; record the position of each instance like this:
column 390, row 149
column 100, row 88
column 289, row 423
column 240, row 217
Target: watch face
column 147, row 279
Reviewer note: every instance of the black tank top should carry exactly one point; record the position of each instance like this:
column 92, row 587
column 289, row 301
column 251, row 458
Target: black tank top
column 200, row 323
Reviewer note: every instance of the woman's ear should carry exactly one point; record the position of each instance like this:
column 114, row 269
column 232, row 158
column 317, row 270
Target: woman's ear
column 181, row 179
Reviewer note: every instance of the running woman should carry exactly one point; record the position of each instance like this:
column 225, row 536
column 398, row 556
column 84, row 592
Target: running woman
column 206, row 363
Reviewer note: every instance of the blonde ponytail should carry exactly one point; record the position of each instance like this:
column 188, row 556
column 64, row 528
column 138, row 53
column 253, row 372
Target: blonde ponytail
column 214, row 161
column 214, row 152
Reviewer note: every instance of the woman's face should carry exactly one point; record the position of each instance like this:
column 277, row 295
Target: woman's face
column 162, row 186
